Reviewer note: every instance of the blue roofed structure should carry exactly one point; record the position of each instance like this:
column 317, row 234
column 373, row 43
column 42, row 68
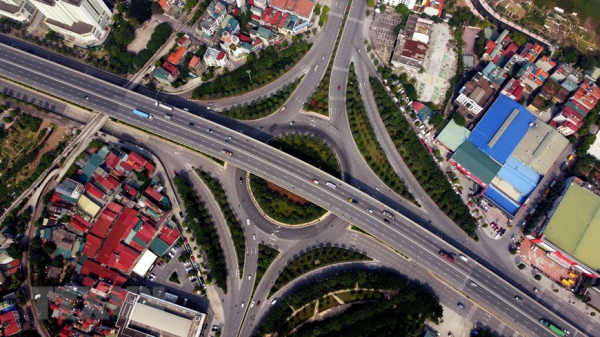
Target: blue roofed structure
column 502, row 128
column 519, row 175
column 501, row 200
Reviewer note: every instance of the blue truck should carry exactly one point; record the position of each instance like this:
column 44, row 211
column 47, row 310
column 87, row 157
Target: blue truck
column 142, row 114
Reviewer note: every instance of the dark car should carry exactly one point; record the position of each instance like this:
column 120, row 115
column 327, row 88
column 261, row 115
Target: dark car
column 191, row 124
column 447, row 256
column 241, row 180
column 339, row 87
column 181, row 214
column 386, row 220
column 460, row 306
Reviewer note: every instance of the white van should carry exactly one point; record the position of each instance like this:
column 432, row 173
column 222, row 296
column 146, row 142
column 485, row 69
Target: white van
column 464, row 258
column 330, row 184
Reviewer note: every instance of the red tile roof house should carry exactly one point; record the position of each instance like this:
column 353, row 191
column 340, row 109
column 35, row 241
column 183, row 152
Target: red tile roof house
column 136, row 161
column 11, row 324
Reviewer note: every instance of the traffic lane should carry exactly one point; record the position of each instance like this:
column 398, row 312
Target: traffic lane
column 342, row 214
column 56, row 58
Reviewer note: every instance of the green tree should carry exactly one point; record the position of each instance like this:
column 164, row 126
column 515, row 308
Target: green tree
column 157, row 10
column 459, row 119
column 518, row 38
column 140, row 10
column 15, row 250
column 411, row 92
column 49, row 247
column 437, row 121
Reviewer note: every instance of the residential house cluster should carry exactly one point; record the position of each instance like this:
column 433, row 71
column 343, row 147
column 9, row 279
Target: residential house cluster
column 527, row 75
column 289, row 17
column 106, row 222
column 10, row 321
column 172, row 7
column 170, row 69
column 412, row 42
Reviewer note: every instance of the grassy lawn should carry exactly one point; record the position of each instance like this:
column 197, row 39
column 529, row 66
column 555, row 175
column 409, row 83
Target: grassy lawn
column 327, row 303
column 302, row 315
column 314, row 259
column 351, row 296
column 174, row 278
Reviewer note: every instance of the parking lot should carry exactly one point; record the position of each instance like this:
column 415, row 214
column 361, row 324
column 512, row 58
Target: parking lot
column 185, row 288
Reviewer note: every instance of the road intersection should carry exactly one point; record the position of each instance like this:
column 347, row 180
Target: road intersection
column 252, row 155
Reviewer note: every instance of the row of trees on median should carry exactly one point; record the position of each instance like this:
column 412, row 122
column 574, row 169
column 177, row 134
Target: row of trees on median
column 366, row 140
column 420, row 162
column 259, row 70
column 264, row 106
column 204, row 231
column 233, row 223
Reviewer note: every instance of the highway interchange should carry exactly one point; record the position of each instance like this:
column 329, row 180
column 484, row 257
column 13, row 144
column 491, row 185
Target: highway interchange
column 252, row 155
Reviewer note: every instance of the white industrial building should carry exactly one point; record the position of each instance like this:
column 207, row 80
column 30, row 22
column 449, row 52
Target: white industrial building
column 86, row 21
column 143, row 315
column 18, row 10
column 144, row 263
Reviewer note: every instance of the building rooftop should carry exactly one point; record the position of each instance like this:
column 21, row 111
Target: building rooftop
column 574, row 226
column 453, row 135
column 144, row 315
column 477, row 162
column 540, row 147
column 176, row 56
column 502, row 128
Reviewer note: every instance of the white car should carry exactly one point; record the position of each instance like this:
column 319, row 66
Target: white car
column 252, row 304
column 247, row 222
column 242, row 304
column 253, row 236
column 250, row 276
column 315, row 181
column 274, row 301
column 369, row 210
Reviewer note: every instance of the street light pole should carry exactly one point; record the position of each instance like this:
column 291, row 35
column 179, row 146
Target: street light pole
column 249, row 71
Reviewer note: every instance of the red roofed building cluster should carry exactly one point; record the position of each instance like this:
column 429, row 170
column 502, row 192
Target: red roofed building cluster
column 570, row 119
column 125, row 224
column 11, row 323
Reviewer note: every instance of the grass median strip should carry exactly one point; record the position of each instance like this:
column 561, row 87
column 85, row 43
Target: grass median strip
column 420, row 162
column 366, row 140
column 270, row 64
column 266, row 256
column 204, row 230
column 319, row 100
column 314, row 259
column 265, row 106
column 233, row 223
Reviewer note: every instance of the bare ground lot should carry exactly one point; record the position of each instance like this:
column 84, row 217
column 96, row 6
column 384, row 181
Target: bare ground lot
column 439, row 65
column 282, row 191
column 382, row 34
column 469, row 38
column 142, row 36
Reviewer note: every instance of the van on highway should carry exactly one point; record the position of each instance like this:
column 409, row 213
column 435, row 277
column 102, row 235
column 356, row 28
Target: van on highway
column 330, row 184
column 168, row 117
column 464, row 258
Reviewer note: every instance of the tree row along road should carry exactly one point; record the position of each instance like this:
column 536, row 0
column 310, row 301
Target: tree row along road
column 290, row 173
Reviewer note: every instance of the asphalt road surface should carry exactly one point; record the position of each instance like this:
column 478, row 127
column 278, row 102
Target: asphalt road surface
column 493, row 292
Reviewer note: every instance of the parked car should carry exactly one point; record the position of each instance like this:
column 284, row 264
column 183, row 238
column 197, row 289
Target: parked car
column 460, row 306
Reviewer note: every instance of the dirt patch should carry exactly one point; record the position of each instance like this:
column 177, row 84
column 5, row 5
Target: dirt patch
column 282, row 191
column 142, row 36
column 50, row 144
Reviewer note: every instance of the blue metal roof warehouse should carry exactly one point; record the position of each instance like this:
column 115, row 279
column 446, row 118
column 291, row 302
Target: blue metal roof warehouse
column 502, row 128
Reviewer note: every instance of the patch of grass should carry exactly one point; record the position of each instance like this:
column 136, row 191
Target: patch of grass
column 327, row 303
column 301, row 316
column 174, row 278
column 314, row 259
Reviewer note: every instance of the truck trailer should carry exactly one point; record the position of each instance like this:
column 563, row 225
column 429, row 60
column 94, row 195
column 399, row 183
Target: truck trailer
column 142, row 114
column 164, row 106
column 552, row 327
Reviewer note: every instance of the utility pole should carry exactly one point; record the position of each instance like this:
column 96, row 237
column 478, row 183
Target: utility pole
column 249, row 71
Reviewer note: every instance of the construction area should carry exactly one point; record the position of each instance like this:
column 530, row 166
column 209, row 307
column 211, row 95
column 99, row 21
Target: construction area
column 438, row 67
column 382, row 35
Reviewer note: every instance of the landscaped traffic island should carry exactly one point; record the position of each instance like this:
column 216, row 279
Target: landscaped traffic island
column 282, row 205
column 373, row 302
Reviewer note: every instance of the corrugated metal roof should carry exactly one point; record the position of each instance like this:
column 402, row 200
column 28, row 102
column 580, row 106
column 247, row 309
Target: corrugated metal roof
column 453, row 135
column 540, row 147
column 477, row 162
